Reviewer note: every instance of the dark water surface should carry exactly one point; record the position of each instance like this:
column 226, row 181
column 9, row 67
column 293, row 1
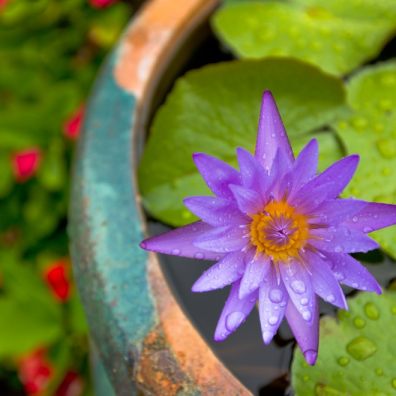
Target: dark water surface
column 262, row 369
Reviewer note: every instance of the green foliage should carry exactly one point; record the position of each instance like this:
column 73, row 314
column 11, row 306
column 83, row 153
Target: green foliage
column 216, row 109
column 50, row 51
column 334, row 35
column 370, row 131
column 357, row 355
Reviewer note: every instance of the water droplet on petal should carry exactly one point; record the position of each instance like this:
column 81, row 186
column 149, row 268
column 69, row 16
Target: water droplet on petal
column 176, row 252
column 234, row 319
column 354, row 219
column 267, row 337
column 298, row 286
column 361, row 348
column 338, row 249
column 371, row 311
column 330, row 298
column 306, row 315
column 304, row 301
column 343, row 361
column 276, row 295
column 273, row 320
column 199, row 255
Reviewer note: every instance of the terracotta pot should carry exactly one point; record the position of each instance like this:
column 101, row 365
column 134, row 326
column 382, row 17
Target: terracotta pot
column 145, row 341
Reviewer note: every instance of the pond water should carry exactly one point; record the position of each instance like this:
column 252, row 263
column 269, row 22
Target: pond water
column 262, row 369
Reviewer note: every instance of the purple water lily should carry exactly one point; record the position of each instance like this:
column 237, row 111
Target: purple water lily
column 279, row 232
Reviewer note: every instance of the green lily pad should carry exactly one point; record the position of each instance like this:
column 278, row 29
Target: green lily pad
column 357, row 352
column 216, row 109
column 370, row 131
column 336, row 35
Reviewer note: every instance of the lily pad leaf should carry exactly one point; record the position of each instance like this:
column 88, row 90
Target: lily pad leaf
column 215, row 110
column 337, row 36
column 357, row 355
column 370, row 131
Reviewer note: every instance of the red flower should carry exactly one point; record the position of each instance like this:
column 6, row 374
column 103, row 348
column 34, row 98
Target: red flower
column 101, row 3
column 72, row 385
column 72, row 126
column 56, row 275
column 25, row 163
column 35, row 372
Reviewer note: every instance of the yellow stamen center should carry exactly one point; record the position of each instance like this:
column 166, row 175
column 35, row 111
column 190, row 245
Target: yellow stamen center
column 279, row 231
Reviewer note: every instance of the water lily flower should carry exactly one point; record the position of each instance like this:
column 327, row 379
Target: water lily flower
column 280, row 234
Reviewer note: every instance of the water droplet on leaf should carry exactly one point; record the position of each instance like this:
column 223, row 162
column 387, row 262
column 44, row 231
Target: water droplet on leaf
column 371, row 311
column 361, row 348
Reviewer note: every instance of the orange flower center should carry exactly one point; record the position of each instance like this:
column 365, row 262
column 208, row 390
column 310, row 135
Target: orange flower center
column 279, row 231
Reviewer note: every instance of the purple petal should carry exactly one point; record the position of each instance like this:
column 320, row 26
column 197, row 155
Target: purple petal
column 249, row 201
column 216, row 211
column 351, row 273
column 337, row 175
column 307, row 334
column 298, row 284
column 271, row 135
column 305, row 166
column 228, row 270
column 338, row 211
column 327, row 185
column 256, row 269
column 179, row 242
column 217, row 174
column 323, row 280
column 373, row 216
column 234, row 313
column 342, row 239
column 272, row 304
column 253, row 175
column 223, row 239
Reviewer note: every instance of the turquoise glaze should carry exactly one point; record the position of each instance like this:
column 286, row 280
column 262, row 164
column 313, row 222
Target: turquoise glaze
column 105, row 232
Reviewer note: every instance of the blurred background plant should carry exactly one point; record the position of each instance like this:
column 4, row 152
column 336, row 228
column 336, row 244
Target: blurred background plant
column 50, row 51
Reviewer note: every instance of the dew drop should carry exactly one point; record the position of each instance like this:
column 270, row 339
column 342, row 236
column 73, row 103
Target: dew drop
column 273, row 320
column 394, row 310
column 361, row 348
column 330, row 298
column 359, row 322
column 355, row 285
column 276, row 295
column 233, row 320
column 176, row 252
column 371, row 311
column 338, row 249
column 298, row 286
column 305, row 378
column 379, row 371
column 199, row 255
column 355, row 219
column 367, row 229
column 394, row 382
column 304, row 301
column 343, row 361
column 306, row 315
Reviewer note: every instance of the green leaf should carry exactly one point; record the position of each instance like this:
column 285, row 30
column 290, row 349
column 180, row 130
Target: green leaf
column 370, row 131
column 30, row 317
column 357, row 352
column 335, row 35
column 216, row 109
